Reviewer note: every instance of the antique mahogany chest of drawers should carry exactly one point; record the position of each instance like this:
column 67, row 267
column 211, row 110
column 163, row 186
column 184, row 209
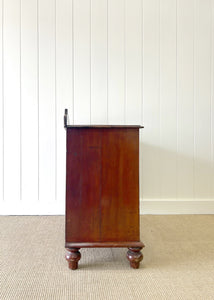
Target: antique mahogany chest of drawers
column 102, row 190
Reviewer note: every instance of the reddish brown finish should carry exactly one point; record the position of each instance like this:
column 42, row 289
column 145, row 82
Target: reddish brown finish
column 83, row 185
column 102, row 188
column 105, row 245
column 134, row 256
column 102, row 126
column 120, row 195
column 73, row 256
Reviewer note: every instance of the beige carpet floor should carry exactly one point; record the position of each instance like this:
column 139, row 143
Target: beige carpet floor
column 178, row 261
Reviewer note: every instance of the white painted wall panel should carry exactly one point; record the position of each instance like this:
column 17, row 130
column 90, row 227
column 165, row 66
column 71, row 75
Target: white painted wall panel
column 150, row 145
column 168, row 99
column 148, row 62
column 11, row 48
column 82, row 58
column 116, row 59
column 185, row 100
column 64, row 88
column 212, row 96
column 29, row 102
column 202, row 94
column 99, row 84
column 133, row 61
column 1, row 107
column 47, row 101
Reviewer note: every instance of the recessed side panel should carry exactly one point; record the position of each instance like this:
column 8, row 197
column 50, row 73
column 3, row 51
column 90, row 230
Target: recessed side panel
column 83, row 185
column 120, row 185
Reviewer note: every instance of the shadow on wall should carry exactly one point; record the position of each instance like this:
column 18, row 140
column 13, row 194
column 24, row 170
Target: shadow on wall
column 168, row 175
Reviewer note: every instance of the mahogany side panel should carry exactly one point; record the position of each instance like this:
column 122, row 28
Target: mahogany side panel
column 83, row 185
column 120, row 185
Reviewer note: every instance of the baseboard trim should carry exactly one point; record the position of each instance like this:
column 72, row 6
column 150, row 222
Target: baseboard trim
column 34, row 209
column 154, row 207
column 176, row 207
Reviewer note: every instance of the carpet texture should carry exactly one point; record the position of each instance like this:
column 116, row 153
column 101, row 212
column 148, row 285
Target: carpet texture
column 178, row 261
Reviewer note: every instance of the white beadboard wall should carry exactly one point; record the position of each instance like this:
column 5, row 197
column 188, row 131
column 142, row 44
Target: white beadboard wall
column 148, row 62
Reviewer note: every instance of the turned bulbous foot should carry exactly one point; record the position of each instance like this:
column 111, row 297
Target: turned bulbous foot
column 134, row 256
column 73, row 256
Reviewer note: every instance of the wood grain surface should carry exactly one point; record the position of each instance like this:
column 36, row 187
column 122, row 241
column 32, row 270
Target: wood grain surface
column 102, row 193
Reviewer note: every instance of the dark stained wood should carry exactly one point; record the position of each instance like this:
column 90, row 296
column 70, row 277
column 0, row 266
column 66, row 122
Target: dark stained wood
column 120, row 185
column 104, row 126
column 83, row 185
column 66, row 118
column 105, row 245
column 102, row 190
column 73, row 256
column 134, row 256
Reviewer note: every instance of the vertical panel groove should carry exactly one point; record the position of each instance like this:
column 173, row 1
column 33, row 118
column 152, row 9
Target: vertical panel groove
column 72, row 41
column 159, row 90
column 142, row 61
column 176, row 84
column 90, row 10
column 194, row 95
column 107, row 65
column 125, row 70
column 2, row 100
column 194, row 92
column 212, row 95
column 56, row 123
column 20, row 95
column 211, row 78
column 38, row 91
